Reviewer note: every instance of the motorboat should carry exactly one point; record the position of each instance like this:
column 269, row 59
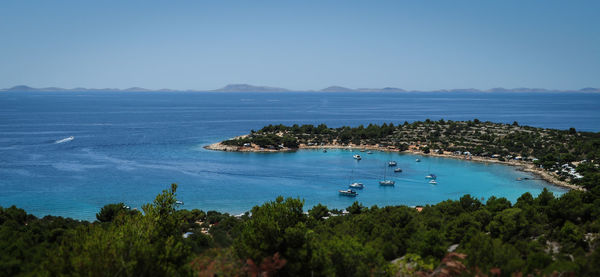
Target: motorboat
column 431, row 176
column 356, row 185
column 418, row 160
column 397, row 170
column 392, row 163
column 433, row 182
column 65, row 139
column 348, row 192
column 357, row 157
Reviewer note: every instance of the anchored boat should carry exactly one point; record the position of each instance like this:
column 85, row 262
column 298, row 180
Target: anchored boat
column 348, row 192
column 385, row 182
column 357, row 185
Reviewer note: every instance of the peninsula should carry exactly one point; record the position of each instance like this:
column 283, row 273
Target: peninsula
column 559, row 156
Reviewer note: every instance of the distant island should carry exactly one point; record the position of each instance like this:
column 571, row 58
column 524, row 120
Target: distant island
column 558, row 156
column 253, row 88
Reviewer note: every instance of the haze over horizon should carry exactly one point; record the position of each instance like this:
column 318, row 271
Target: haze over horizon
column 301, row 46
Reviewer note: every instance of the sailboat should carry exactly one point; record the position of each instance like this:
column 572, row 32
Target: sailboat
column 431, row 175
column 355, row 185
column 385, row 182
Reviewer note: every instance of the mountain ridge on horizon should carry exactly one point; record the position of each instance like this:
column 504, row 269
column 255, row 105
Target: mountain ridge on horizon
column 253, row 88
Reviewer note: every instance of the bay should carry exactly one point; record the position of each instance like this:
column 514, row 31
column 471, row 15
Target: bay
column 127, row 147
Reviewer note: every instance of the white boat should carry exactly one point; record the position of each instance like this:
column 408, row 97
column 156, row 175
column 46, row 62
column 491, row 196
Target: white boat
column 179, row 202
column 348, row 192
column 433, row 182
column 357, row 157
column 362, row 150
column 397, row 170
column 392, row 163
column 431, row 176
column 369, row 152
column 65, row 139
column 386, row 182
column 417, row 160
column 324, row 150
column 356, row 185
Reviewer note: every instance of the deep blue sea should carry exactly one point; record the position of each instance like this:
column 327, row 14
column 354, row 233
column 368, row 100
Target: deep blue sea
column 127, row 147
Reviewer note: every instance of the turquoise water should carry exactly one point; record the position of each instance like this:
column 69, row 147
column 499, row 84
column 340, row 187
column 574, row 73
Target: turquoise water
column 317, row 176
column 128, row 147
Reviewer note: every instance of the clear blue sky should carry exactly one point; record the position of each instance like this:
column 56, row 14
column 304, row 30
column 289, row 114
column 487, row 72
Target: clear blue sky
column 300, row 44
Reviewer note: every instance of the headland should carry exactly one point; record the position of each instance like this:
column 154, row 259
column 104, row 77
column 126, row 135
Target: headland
column 560, row 152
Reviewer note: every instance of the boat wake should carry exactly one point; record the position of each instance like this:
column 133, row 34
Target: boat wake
column 65, row 140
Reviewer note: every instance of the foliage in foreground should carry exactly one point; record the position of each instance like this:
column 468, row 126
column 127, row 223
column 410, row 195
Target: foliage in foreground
column 536, row 235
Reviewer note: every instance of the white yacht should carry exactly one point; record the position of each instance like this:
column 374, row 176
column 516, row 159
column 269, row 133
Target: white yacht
column 356, row 185
column 348, row 192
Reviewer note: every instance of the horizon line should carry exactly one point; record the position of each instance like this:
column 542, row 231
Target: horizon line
column 260, row 88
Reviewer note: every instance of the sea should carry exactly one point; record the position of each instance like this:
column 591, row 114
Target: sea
column 129, row 146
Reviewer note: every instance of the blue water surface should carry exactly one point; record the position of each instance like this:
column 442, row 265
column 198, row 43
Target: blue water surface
column 130, row 146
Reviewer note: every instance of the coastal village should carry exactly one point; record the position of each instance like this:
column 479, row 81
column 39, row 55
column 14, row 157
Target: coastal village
column 554, row 155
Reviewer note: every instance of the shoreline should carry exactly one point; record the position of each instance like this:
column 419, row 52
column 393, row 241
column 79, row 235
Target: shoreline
column 521, row 165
